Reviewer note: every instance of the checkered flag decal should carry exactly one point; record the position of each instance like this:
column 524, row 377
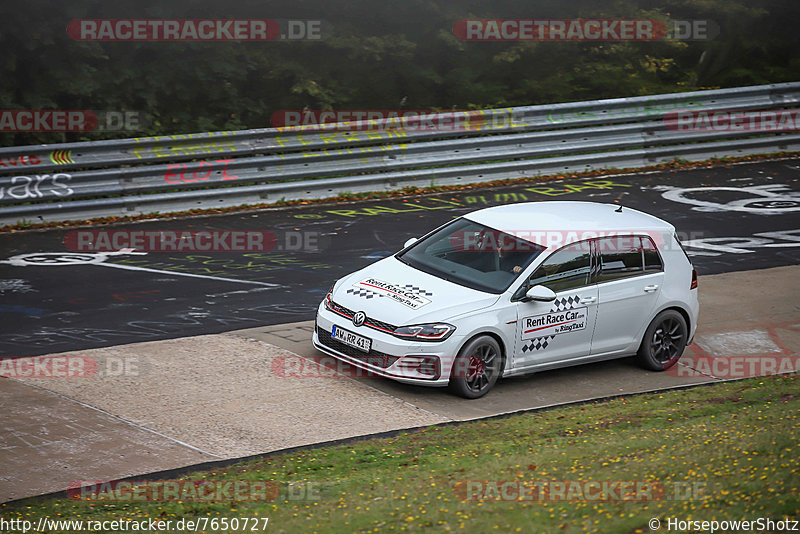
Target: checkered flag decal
column 417, row 290
column 363, row 293
column 540, row 343
column 564, row 304
column 368, row 293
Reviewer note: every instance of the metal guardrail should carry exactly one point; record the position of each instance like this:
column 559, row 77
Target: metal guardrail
column 223, row 169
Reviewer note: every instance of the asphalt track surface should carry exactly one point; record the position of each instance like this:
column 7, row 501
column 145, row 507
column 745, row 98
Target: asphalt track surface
column 732, row 218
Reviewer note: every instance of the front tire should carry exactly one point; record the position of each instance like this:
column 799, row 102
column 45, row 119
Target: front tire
column 663, row 342
column 476, row 368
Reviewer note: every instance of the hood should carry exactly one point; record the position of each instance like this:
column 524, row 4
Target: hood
column 396, row 293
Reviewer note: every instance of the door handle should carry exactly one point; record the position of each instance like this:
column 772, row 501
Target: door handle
column 651, row 288
column 587, row 300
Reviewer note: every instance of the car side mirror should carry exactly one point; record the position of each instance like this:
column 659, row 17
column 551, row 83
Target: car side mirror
column 539, row 294
column 410, row 242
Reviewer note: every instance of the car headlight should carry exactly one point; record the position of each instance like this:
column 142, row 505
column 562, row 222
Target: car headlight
column 327, row 299
column 425, row 332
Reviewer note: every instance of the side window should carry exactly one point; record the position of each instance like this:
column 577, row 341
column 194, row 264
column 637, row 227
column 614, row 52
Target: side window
column 620, row 257
column 652, row 259
column 567, row 268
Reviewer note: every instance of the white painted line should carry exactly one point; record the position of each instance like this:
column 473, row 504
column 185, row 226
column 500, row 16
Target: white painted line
column 240, row 292
column 682, row 364
column 177, row 273
column 60, row 259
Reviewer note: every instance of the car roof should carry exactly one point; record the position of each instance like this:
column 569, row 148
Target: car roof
column 567, row 216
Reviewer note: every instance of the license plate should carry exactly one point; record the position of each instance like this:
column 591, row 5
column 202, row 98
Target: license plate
column 349, row 338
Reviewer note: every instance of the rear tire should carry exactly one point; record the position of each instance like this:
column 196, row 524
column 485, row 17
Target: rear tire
column 476, row 368
column 663, row 342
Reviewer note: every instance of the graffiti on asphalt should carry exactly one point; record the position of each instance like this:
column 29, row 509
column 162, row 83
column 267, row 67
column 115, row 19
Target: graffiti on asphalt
column 717, row 246
column 211, row 266
column 771, row 199
column 376, row 209
column 565, row 189
column 61, row 259
column 120, row 297
column 15, row 285
column 462, row 201
column 145, row 329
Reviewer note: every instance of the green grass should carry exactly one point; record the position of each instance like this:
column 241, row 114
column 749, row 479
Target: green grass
column 737, row 442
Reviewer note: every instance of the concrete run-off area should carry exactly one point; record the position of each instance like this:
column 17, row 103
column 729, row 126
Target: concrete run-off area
column 161, row 405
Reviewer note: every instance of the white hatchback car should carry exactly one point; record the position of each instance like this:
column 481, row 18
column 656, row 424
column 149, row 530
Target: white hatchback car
column 515, row 289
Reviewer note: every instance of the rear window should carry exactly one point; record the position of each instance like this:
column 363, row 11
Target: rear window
column 626, row 256
column 652, row 259
column 620, row 257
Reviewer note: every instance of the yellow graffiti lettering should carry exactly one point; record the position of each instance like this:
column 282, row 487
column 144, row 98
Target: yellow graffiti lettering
column 374, row 135
column 574, row 188
column 344, row 213
column 329, row 137
column 509, row 197
column 426, row 207
column 178, row 149
column 157, row 154
column 606, row 184
column 396, row 133
column 578, row 188
column 302, row 140
column 378, row 210
column 164, row 151
column 137, row 150
column 550, row 191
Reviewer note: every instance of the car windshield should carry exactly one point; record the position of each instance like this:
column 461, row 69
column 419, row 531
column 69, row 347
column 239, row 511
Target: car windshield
column 472, row 255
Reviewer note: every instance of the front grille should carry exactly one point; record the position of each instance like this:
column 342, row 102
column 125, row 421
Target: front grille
column 380, row 324
column 341, row 310
column 368, row 322
column 373, row 357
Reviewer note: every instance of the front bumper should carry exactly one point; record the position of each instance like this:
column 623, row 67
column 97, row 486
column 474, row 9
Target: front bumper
column 389, row 357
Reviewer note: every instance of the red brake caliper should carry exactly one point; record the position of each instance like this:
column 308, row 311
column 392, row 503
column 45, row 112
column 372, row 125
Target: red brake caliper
column 475, row 367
